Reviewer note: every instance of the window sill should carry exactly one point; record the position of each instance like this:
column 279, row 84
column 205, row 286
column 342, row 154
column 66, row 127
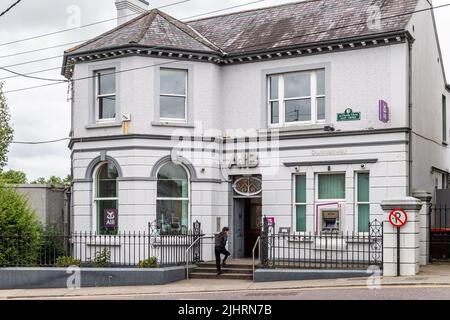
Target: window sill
column 104, row 125
column 172, row 124
column 306, row 127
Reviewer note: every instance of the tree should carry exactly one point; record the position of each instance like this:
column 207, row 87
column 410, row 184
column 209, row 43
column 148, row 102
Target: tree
column 20, row 229
column 55, row 181
column 6, row 131
column 13, row 177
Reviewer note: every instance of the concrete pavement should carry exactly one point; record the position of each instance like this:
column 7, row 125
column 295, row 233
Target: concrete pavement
column 432, row 275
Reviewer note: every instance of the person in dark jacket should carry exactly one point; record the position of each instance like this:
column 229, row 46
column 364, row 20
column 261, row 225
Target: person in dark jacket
column 221, row 242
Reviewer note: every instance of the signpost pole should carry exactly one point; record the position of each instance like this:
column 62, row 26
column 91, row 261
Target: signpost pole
column 398, row 252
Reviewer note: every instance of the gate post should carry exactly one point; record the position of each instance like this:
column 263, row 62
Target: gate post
column 409, row 239
column 265, row 243
column 425, row 216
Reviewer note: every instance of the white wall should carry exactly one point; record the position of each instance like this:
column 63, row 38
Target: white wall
column 233, row 97
column 428, row 86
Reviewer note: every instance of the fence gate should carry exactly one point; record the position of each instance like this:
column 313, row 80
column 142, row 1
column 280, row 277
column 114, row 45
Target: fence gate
column 439, row 232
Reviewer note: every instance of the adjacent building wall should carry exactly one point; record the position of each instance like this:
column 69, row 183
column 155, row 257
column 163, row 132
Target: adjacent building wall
column 50, row 204
column 428, row 87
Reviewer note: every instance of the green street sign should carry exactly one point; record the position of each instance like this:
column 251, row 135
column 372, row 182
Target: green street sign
column 349, row 115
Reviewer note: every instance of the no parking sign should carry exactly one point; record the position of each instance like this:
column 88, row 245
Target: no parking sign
column 398, row 218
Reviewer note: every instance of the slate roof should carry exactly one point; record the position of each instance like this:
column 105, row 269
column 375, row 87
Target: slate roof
column 282, row 26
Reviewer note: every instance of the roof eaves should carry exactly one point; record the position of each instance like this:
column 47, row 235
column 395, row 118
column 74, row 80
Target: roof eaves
column 367, row 37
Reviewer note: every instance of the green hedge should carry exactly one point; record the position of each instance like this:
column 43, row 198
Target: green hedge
column 20, row 230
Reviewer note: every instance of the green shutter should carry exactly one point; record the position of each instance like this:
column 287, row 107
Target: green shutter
column 363, row 217
column 300, row 189
column 332, row 186
column 301, row 218
column 363, row 187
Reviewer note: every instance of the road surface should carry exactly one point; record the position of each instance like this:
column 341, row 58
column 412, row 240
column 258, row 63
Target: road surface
column 349, row 293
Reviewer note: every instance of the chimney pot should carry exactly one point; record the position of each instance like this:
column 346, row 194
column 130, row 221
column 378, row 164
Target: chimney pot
column 130, row 9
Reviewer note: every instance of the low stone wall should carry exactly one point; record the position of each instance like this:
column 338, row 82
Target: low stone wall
column 34, row 278
column 267, row 275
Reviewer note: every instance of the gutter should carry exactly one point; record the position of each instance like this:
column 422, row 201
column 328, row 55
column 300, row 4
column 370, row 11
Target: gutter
column 410, row 116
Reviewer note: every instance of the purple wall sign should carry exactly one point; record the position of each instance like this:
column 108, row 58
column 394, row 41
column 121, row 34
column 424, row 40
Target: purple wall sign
column 383, row 111
column 110, row 218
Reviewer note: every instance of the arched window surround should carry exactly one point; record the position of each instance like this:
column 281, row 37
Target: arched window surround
column 180, row 221
column 105, row 197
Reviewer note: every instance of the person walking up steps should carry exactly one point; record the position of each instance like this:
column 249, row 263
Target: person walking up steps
column 221, row 242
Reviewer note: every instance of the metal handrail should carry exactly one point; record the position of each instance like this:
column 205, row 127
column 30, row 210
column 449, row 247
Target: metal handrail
column 189, row 248
column 257, row 243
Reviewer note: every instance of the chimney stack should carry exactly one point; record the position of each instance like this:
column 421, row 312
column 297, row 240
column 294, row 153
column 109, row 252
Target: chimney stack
column 130, row 9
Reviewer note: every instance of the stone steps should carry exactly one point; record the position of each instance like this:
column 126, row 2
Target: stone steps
column 235, row 271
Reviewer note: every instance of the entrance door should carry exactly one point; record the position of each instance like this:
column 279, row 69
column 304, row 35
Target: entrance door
column 239, row 212
column 247, row 217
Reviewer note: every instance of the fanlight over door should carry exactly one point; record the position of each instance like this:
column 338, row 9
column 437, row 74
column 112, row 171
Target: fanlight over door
column 248, row 186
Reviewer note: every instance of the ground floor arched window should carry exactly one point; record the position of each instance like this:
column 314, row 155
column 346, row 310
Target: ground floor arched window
column 106, row 199
column 172, row 203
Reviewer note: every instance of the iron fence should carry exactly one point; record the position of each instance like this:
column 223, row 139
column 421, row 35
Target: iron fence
column 88, row 249
column 439, row 232
column 337, row 250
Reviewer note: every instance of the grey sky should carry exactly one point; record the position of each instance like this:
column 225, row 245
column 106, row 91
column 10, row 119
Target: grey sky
column 44, row 114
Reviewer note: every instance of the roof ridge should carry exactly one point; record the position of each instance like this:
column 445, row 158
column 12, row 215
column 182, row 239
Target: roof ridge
column 190, row 31
column 141, row 33
column 109, row 32
column 255, row 9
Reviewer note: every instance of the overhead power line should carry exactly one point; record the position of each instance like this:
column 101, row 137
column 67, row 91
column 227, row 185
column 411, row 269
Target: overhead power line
column 116, row 18
column 75, row 42
column 17, row 74
column 313, row 33
column 10, row 7
column 40, row 142
column 31, row 77
column 83, row 26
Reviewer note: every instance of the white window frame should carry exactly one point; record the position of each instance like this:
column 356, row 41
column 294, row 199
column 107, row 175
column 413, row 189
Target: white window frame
column 185, row 96
column 281, row 100
column 357, row 202
column 98, row 96
column 97, row 199
column 295, row 203
column 188, row 199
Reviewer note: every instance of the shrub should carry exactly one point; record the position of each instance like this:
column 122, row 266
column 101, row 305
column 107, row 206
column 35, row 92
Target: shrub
column 152, row 262
column 65, row 261
column 102, row 259
column 51, row 245
column 19, row 229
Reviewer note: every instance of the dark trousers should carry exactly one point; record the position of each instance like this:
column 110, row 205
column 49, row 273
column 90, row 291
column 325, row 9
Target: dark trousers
column 218, row 252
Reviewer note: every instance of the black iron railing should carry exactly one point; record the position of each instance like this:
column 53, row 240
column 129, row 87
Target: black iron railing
column 340, row 250
column 88, row 249
column 439, row 232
